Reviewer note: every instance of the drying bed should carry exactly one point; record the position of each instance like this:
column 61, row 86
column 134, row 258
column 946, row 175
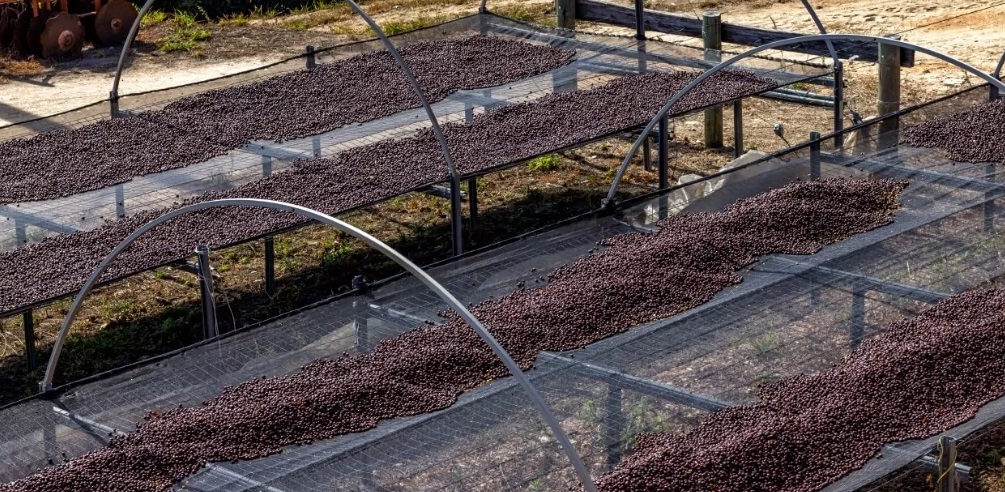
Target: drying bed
column 972, row 135
column 790, row 315
column 598, row 59
column 818, row 428
column 360, row 176
column 291, row 106
column 688, row 261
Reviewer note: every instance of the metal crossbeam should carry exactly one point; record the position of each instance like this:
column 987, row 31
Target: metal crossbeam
column 875, row 284
column 394, row 313
column 641, row 385
column 695, row 63
column 873, row 164
column 35, row 220
column 107, row 432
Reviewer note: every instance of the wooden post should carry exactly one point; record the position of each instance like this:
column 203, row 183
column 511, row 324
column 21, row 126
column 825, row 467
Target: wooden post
column 889, row 93
column 711, row 33
column 947, row 465
column 566, row 12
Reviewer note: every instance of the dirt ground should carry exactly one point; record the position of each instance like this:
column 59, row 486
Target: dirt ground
column 41, row 90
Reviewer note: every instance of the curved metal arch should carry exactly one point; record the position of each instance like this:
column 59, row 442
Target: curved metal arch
column 778, row 44
column 419, row 273
column 820, row 27
column 114, row 94
column 455, row 179
column 998, row 68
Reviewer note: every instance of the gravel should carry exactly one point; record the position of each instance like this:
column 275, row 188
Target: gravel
column 295, row 105
column 357, row 177
column 638, row 278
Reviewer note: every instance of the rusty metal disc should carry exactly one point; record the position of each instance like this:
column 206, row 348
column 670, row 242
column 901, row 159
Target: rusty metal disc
column 113, row 22
column 63, row 36
column 20, row 33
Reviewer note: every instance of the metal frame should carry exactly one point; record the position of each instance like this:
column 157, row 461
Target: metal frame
column 420, row 274
column 609, row 200
column 998, row 75
column 457, row 240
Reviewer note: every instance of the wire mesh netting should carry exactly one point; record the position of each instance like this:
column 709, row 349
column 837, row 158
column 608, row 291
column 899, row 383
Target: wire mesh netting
column 598, row 60
column 791, row 315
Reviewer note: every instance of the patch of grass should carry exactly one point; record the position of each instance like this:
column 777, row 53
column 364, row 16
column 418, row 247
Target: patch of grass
column 186, row 36
column 539, row 14
column 296, row 25
column 237, row 20
column 392, row 28
column 153, row 18
column 765, row 343
column 544, row 163
column 10, row 67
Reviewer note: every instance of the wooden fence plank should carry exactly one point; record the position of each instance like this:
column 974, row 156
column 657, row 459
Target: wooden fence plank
column 596, row 11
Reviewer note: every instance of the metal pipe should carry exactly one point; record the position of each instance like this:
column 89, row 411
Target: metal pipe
column 995, row 93
column 640, row 27
column 838, row 105
column 311, row 60
column 437, row 131
column 420, row 274
column 28, row 320
column 609, row 200
column 270, row 266
column 663, row 153
column 947, row 480
column 455, row 179
column 737, row 128
column 820, row 27
column 210, row 329
column 814, row 156
column 120, row 201
column 114, row 94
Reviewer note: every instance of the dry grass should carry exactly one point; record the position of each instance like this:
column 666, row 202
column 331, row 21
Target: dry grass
column 13, row 68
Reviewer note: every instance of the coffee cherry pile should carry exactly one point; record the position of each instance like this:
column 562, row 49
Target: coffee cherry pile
column 357, row 177
column 972, row 135
column 923, row 376
column 636, row 279
column 294, row 105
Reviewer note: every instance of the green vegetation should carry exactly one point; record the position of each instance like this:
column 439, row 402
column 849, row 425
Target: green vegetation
column 236, row 20
column 153, row 18
column 541, row 14
column 392, row 28
column 186, row 35
column 544, row 163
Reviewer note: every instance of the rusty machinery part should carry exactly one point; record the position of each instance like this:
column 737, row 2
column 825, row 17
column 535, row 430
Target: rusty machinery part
column 8, row 16
column 63, row 36
column 112, row 22
column 34, row 36
column 21, row 26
